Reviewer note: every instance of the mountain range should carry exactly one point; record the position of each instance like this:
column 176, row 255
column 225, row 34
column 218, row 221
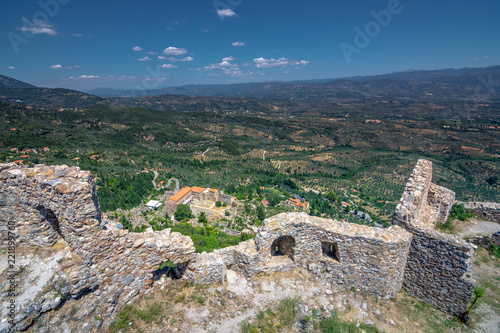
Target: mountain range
column 445, row 85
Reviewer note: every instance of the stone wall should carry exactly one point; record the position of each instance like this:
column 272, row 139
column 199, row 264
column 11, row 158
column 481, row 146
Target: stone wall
column 46, row 204
column 50, row 204
column 486, row 210
column 439, row 266
column 441, row 199
column 370, row 259
column 486, row 241
column 225, row 198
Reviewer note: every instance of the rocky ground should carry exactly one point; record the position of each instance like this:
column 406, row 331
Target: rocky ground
column 178, row 306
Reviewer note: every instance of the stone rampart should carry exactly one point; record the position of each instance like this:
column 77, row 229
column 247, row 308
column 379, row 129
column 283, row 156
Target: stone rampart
column 439, row 266
column 486, row 210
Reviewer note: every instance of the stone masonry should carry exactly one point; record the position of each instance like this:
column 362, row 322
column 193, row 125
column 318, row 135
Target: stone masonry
column 439, row 266
column 486, row 210
column 46, row 204
column 49, row 204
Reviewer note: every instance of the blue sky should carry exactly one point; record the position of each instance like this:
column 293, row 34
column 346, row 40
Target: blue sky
column 157, row 43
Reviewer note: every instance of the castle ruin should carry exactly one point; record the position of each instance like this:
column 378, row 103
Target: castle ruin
column 47, row 204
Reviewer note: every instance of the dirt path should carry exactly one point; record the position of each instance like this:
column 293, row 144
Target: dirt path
column 476, row 227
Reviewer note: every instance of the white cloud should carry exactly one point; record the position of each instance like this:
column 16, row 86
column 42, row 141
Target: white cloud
column 266, row 63
column 84, row 77
column 205, row 30
column 137, row 48
column 165, row 66
column 171, row 50
column 11, row 67
column 226, row 13
column 172, row 59
column 105, row 78
column 39, row 27
column 476, row 58
column 300, row 63
column 146, row 58
column 182, row 59
column 151, row 52
column 58, row 66
column 225, row 68
column 80, row 35
column 238, row 44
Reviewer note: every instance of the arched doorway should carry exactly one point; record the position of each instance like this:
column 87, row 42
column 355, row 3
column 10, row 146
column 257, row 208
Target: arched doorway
column 283, row 246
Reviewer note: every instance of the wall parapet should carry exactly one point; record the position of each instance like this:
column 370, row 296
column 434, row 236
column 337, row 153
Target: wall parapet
column 485, row 210
column 439, row 266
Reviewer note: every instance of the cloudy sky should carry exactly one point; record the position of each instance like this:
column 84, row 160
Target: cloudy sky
column 158, row 43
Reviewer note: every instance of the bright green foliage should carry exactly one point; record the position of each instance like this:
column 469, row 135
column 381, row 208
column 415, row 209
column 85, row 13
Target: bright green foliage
column 494, row 250
column 123, row 191
column 183, row 213
column 125, row 223
column 261, row 213
column 459, row 212
column 202, row 218
column 207, row 239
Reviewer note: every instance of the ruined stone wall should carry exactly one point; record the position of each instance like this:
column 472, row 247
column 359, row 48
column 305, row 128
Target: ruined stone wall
column 226, row 198
column 46, row 204
column 486, row 210
column 441, row 199
column 370, row 259
column 439, row 266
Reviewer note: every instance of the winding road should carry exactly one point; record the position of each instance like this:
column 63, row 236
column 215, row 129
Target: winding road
column 166, row 185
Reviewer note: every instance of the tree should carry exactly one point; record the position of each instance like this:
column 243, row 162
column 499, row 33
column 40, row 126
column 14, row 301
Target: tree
column 202, row 218
column 218, row 204
column 261, row 213
column 183, row 212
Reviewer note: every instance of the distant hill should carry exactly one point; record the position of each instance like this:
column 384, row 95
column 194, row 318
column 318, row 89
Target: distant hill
column 48, row 98
column 417, row 85
column 8, row 82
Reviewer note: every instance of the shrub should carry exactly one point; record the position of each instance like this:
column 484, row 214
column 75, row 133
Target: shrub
column 459, row 212
column 183, row 212
column 494, row 250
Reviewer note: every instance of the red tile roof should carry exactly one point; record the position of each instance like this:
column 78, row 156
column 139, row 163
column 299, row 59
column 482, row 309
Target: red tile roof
column 197, row 189
column 176, row 197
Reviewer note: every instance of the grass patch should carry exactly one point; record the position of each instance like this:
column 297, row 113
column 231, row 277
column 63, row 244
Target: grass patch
column 269, row 321
column 122, row 320
column 335, row 325
column 150, row 314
